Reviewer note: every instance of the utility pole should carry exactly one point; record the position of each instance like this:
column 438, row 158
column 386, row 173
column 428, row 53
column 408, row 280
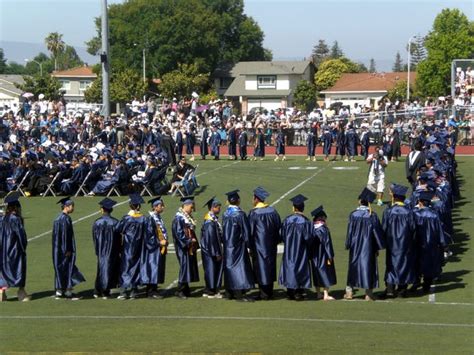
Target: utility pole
column 105, row 60
column 408, row 73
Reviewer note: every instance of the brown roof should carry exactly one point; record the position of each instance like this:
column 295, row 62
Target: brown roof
column 357, row 82
column 75, row 72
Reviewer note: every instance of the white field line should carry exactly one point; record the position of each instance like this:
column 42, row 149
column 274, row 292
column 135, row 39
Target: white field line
column 118, row 204
column 412, row 302
column 267, row 319
column 171, row 285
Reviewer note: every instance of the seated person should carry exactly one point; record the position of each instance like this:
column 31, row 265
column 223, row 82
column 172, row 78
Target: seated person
column 117, row 175
column 181, row 168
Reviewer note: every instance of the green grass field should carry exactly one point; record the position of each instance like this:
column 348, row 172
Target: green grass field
column 411, row 325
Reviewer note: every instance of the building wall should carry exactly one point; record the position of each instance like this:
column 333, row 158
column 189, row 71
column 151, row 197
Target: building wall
column 73, row 88
column 351, row 98
column 8, row 100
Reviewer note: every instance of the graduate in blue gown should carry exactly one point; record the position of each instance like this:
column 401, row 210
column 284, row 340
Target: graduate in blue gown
column 13, row 242
column 238, row 274
column 280, row 145
column 211, row 249
column 322, row 255
column 107, row 244
column 155, row 248
column 133, row 229
column 399, row 228
column 430, row 242
column 326, row 138
column 186, row 246
column 311, row 142
column 215, row 143
column 265, row 226
column 204, row 145
column 179, row 143
column 295, row 233
column 340, row 141
column 364, row 240
column 259, row 151
column 66, row 274
column 232, row 139
column 351, row 141
column 243, row 142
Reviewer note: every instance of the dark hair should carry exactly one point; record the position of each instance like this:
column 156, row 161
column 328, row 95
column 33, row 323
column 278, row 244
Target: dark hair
column 418, row 145
column 107, row 210
column 135, row 207
column 299, row 207
column 14, row 208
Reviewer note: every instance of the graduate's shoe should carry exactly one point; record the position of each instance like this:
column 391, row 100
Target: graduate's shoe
column 133, row 294
column 59, row 295
column 123, row 295
column 71, row 296
column 348, row 296
column 328, row 298
column 415, row 287
column 369, row 298
column 181, row 295
column 23, row 296
column 245, row 299
column 284, row 158
column 3, row 295
column 299, row 297
column 155, row 295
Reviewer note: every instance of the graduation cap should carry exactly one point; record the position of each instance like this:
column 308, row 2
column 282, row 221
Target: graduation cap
column 298, row 200
column 427, row 175
column 261, row 193
column 367, row 195
column 107, row 203
column 156, row 201
column 431, row 140
column 187, row 200
column 233, row 196
column 450, row 150
column 318, row 212
column 432, row 184
column 5, row 155
column 212, row 203
column 398, row 190
column 12, row 197
column 136, row 199
column 426, row 196
column 66, row 201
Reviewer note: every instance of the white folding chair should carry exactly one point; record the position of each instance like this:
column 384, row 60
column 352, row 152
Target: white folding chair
column 82, row 188
column 50, row 187
column 20, row 186
column 181, row 186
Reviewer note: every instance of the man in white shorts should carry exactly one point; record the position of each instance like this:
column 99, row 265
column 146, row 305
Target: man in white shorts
column 378, row 161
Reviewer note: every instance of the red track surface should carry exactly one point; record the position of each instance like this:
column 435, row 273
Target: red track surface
column 301, row 150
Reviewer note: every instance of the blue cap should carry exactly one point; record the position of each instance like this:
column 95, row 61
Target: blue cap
column 213, row 202
column 450, row 150
column 426, row 196
column 318, row 212
column 298, row 200
column 233, row 196
column 398, row 190
column 156, row 201
column 431, row 140
column 367, row 195
column 66, row 201
column 187, row 200
column 12, row 197
column 260, row 193
column 432, row 184
column 5, row 155
column 107, row 203
column 427, row 175
column 136, row 199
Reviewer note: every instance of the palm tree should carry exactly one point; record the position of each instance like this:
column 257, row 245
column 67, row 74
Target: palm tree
column 55, row 44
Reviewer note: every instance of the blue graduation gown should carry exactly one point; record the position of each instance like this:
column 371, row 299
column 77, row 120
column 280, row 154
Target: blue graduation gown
column 66, row 274
column 133, row 228
column 232, row 138
column 211, row 249
column 311, row 144
column 280, row 143
column 13, row 243
column 179, row 143
column 322, row 257
column 446, row 218
column 243, row 141
column 398, row 223
column 327, row 141
column 341, row 143
column 265, row 226
column 153, row 258
column 295, row 270
column 107, row 244
column 204, row 145
column 430, row 242
column 187, row 258
column 238, row 274
column 352, row 140
column 215, row 142
column 364, row 240
column 259, row 145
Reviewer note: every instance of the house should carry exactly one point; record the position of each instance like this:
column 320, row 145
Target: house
column 9, row 93
column 364, row 88
column 74, row 82
column 262, row 84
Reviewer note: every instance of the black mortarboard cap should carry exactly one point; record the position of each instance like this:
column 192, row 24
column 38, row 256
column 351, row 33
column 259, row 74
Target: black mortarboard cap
column 298, row 199
column 432, row 184
column 233, row 195
column 187, row 200
column 398, row 190
column 107, row 203
column 319, row 211
column 426, row 195
column 66, row 201
column 367, row 195
column 212, row 202
column 136, row 199
column 156, row 201
column 12, row 197
column 261, row 193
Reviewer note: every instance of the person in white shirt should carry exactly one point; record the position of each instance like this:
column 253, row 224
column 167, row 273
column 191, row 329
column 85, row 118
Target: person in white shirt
column 376, row 182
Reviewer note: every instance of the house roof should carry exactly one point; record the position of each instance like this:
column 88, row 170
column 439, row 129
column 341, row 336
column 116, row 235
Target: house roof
column 82, row 71
column 7, row 84
column 237, row 88
column 261, row 68
column 373, row 82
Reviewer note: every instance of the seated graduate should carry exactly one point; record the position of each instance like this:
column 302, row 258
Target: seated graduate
column 181, row 168
column 69, row 186
column 116, row 175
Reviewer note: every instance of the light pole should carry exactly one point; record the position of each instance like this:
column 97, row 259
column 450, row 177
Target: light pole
column 408, row 73
column 144, row 62
column 40, row 65
column 105, row 60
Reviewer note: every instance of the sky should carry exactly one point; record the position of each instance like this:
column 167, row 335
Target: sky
column 364, row 28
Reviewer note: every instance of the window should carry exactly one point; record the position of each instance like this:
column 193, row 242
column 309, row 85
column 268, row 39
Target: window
column 66, row 85
column 84, row 84
column 266, row 82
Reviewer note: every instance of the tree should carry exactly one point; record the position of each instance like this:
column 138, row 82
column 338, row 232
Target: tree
column 305, row 95
column 183, row 81
column 418, row 51
column 68, row 58
column 398, row 65
column 372, row 68
column 329, row 72
column 15, row 68
column 336, row 51
column 55, row 44
column 320, row 52
column 180, row 32
column 47, row 64
column 452, row 37
column 398, row 92
column 3, row 62
column 47, row 85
